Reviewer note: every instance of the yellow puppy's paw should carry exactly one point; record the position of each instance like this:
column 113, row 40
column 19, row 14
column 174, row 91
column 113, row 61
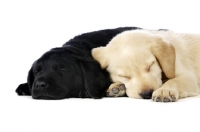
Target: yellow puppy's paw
column 165, row 95
column 116, row 90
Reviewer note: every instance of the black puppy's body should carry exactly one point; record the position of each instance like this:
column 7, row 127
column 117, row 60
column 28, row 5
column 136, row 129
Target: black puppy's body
column 70, row 71
column 88, row 41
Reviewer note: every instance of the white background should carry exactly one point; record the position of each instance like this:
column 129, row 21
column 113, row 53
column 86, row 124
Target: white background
column 30, row 28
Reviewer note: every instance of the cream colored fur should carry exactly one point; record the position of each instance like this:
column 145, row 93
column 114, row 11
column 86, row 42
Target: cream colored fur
column 137, row 58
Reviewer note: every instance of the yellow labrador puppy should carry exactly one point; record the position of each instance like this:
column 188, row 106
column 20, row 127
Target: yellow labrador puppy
column 138, row 58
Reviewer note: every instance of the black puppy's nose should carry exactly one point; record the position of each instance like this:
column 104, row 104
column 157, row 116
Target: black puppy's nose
column 146, row 94
column 41, row 84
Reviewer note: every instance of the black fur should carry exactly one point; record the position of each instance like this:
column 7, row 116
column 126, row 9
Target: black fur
column 70, row 71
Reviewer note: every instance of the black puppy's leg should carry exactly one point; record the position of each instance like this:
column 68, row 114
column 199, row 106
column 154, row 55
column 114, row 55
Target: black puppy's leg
column 116, row 90
column 23, row 89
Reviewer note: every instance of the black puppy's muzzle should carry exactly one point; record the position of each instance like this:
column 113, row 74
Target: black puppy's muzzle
column 41, row 85
column 39, row 90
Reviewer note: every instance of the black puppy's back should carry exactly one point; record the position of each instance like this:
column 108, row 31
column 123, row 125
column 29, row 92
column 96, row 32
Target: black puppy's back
column 90, row 40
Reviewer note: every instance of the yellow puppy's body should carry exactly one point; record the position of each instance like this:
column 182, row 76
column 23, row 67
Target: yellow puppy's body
column 137, row 58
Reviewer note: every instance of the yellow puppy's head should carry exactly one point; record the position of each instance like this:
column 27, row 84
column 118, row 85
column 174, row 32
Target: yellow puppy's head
column 137, row 58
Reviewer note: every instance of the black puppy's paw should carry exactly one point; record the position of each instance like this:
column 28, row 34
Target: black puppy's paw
column 116, row 90
column 23, row 89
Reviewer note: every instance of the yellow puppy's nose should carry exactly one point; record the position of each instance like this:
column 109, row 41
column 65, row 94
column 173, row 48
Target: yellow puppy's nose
column 146, row 94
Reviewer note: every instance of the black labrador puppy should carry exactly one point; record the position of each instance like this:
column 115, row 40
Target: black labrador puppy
column 70, row 71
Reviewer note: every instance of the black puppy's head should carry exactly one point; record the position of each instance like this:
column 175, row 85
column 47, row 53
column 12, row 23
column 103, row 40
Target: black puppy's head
column 54, row 75
column 66, row 72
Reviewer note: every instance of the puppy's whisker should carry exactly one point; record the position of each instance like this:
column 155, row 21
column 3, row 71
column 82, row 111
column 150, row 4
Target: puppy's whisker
column 46, row 92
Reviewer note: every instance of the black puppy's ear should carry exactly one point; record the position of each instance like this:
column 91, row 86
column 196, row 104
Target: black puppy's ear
column 26, row 88
column 30, row 79
column 23, row 89
column 96, row 80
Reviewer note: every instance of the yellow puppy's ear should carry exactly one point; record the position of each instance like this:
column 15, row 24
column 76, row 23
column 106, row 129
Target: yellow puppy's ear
column 100, row 55
column 165, row 53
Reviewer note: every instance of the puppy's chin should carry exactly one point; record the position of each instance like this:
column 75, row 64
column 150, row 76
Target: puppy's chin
column 133, row 94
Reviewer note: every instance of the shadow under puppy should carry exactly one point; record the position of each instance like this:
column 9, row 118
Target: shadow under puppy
column 70, row 71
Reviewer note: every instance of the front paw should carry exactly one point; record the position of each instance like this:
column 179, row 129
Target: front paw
column 165, row 95
column 116, row 90
column 23, row 89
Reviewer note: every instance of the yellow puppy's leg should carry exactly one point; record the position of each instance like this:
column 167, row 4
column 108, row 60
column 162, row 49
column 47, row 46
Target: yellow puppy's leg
column 176, row 88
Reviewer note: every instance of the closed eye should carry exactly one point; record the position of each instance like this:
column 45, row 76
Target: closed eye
column 37, row 70
column 149, row 67
column 126, row 77
column 62, row 69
